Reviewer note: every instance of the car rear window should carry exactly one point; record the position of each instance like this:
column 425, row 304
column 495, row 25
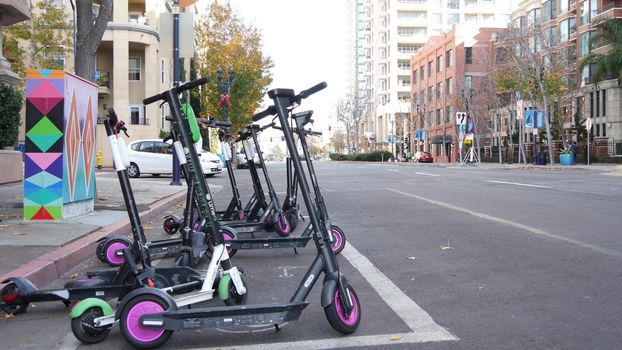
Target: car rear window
column 147, row 146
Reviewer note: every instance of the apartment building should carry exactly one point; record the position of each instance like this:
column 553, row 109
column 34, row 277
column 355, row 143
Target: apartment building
column 447, row 76
column 134, row 61
column 571, row 24
column 388, row 33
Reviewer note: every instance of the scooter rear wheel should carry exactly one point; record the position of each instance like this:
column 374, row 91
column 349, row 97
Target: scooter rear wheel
column 99, row 251
column 171, row 225
column 339, row 239
column 292, row 215
column 8, row 293
column 129, row 322
column 84, row 329
column 282, row 225
column 336, row 315
column 111, row 247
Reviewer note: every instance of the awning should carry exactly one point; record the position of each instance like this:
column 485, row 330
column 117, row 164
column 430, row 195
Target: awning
column 440, row 139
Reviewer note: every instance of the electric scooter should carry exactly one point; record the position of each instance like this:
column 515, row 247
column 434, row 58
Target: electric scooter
column 191, row 246
column 148, row 317
column 19, row 292
column 220, row 271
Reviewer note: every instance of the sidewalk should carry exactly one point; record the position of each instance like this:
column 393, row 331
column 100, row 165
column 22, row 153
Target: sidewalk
column 598, row 167
column 44, row 250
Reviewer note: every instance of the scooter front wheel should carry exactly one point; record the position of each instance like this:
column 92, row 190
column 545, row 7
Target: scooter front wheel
column 282, row 225
column 84, row 329
column 230, row 295
column 228, row 235
column 8, row 294
column 131, row 328
column 111, row 247
column 336, row 315
column 339, row 239
column 292, row 215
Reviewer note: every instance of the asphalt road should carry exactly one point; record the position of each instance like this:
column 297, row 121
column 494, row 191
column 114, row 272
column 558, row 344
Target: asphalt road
column 441, row 258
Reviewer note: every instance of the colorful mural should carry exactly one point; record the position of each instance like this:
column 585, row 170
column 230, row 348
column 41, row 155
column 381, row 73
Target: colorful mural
column 60, row 143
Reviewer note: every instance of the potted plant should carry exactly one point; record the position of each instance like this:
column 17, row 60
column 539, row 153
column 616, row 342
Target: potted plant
column 566, row 157
column 10, row 105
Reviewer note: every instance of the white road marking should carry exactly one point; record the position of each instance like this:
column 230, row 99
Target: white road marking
column 393, row 170
column 365, row 341
column 426, row 174
column 533, row 230
column 419, row 321
column 517, row 184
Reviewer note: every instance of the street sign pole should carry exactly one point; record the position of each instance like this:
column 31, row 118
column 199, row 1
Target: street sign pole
column 176, row 174
column 588, row 126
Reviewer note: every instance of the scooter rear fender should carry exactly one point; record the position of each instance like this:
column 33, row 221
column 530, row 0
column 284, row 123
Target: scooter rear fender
column 23, row 283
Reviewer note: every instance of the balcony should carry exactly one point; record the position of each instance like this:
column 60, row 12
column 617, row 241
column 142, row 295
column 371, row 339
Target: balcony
column 612, row 9
column 102, row 79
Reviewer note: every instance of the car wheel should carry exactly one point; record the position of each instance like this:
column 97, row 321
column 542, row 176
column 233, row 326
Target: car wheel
column 209, row 175
column 133, row 170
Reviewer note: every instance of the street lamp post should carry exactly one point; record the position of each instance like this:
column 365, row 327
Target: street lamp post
column 225, row 88
column 466, row 100
column 176, row 181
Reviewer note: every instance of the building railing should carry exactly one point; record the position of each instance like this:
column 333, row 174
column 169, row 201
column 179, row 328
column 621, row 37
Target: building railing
column 609, row 6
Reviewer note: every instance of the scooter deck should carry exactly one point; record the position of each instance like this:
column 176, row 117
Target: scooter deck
column 225, row 316
column 270, row 242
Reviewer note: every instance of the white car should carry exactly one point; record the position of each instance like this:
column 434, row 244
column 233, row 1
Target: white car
column 154, row 157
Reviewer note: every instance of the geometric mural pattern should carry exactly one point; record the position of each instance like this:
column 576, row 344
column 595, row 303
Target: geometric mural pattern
column 43, row 160
column 60, row 142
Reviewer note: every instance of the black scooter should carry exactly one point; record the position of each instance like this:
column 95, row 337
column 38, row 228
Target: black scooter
column 19, row 292
column 148, row 317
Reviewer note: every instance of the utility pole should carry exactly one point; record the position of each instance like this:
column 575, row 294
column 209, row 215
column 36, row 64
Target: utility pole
column 176, row 175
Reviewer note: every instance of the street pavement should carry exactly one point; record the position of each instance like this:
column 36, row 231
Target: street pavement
column 441, row 256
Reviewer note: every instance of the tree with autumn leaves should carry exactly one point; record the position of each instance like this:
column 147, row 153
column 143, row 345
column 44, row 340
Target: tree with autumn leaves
column 224, row 41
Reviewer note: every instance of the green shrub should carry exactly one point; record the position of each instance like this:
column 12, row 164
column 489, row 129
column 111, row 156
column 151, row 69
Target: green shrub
column 10, row 105
column 164, row 134
column 615, row 160
column 376, row 156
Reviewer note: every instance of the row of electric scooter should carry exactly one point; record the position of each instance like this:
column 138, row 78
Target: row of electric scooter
column 153, row 302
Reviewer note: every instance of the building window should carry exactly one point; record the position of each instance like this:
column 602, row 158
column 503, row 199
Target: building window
column 439, row 116
column 452, row 19
column 162, row 71
column 430, row 93
column 430, row 68
column 591, row 105
column 598, row 103
column 468, row 55
column 468, row 82
column 137, row 115
column 439, row 90
column 415, row 76
column 448, row 58
column 134, row 69
column 604, row 98
column 584, row 41
column 448, row 114
column 421, row 73
column 439, row 63
column 449, row 84
column 597, row 130
column 593, row 9
column 453, row 4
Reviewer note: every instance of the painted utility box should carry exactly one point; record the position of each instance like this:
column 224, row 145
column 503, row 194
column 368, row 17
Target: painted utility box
column 59, row 158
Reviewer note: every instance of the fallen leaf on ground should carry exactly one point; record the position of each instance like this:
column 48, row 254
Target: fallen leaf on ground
column 4, row 225
column 73, row 275
column 102, row 199
column 445, row 247
column 412, row 257
column 19, row 234
column 395, row 337
column 7, row 316
column 179, row 206
column 22, row 223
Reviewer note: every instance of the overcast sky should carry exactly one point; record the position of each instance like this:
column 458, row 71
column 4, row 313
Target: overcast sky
column 307, row 43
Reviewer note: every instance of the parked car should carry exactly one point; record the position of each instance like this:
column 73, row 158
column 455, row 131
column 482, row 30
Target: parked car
column 241, row 160
column 155, row 157
column 423, row 157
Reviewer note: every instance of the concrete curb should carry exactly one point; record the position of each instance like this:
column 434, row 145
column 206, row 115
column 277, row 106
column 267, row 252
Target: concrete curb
column 55, row 263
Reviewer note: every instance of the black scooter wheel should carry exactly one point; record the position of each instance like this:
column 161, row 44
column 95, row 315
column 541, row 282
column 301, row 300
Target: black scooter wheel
column 339, row 239
column 292, row 215
column 129, row 322
column 171, row 225
column 8, row 294
column 336, row 315
column 84, row 329
column 99, row 251
column 228, row 235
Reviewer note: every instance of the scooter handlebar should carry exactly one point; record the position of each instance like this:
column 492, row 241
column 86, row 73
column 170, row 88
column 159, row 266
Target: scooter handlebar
column 310, row 91
column 266, row 112
column 186, row 86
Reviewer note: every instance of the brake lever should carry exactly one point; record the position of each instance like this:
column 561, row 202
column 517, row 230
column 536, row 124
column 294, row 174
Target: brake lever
column 125, row 132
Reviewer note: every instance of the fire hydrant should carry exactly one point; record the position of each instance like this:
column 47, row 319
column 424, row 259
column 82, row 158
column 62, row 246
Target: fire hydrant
column 99, row 159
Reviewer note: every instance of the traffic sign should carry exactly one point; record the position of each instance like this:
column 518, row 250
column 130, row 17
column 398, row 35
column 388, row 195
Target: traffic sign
column 588, row 124
column 461, row 118
column 519, row 110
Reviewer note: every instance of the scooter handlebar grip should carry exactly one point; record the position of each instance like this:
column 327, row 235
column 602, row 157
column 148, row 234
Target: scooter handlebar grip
column 192, row 84
column 310, row 91
column 152, row 99
column 266, row 112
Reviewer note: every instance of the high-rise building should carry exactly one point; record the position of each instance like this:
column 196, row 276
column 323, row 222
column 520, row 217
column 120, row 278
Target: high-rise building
column 388, row 33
